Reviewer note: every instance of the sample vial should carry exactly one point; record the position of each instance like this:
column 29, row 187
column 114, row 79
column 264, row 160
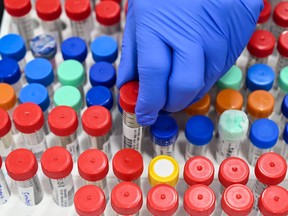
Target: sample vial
column 4, row 189
column 199, row 133
column 8, row 98
column 199, row 200
column 128, row 165
column 57, row 165
column 162, row 199
column 126, row 199
column 282, row 89
column 104, row 48
column 282, row 48
column 263, row 20
column 28, row 119
column 97, row 123
column 164, row 133
column 101, row 96
column 201, row 107
column 198, row 170
column 280, row 19
column 93, row 167
column 6, row 139
column 231, row 80
column 20, row 13
column 237, row 200
column 232, row 129
column 284, row 150
column 263, row 136
column 90, row 200
column 22, row 166
column 63, row 123
column 158, row 175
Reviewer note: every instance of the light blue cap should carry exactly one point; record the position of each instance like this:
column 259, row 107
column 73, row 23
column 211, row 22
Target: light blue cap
column 12, row 46
column 104, row 48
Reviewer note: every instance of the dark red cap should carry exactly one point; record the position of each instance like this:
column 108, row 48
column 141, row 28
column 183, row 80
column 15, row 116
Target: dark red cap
column 127, row 164
column 5, row 123
column 282, row 45
column 0, row 162
column 261, row 44
column 48, row 10
column 28, row 118
column 63, row 121
column 280, row 15
column 270, row 168
column 233, row 170
column 117, row 1
column 78, row 10
column 17, row 8
column 199, row 200
column 108, row 13
column 93, row 165
column 126, row 198
column 90, row 200
column 266, row 12
column 56, row 162
column 21, row 164
column 96, row 121
column 162, row 200
column 198, row 170
column 128, row 96
column 126, row 7
column 273, row 201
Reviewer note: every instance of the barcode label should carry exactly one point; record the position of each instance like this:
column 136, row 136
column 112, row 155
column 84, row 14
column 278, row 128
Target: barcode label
column 64, row 190
column 27, row 195
column 73, row 148
column 132, row 137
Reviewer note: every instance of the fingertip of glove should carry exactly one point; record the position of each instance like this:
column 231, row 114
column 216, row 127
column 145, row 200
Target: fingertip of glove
column 145, row 120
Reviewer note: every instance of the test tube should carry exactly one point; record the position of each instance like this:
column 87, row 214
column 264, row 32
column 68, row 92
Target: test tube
column 199, row 200
column 4, row 189
column 20, row 13
column 128, row 165
column 281, row 89
column 104, row 48
column 63, row 123
column 93, row 167
column 97, row 123
column 199, row 133
column 198, row 170
column 231, row 80
column 263, row 20
column 90, row 200
column 270, row 169
column 283, row 52
column 232, row 129
column 8, row 100
column 280, row 19
column 126, row 199
column 28, row 119
column 284, row 147
column 201, row 107
column 22, row 166
column 101, row 96
column 162, row 199
column 6, row 139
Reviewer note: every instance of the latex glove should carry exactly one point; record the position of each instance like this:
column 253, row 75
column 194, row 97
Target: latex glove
column 180, row 48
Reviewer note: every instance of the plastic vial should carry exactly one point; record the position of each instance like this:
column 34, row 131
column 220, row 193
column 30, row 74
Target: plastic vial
column 162, row 199
column 284, row 150
column 93, row 167
column 20, row 13
column 126, row 199
column 201, row 107
column 63, row 123
column 237, row 200
column 90, row 200
column 28, row 119
column 8, row 100
column 270, row 169
column 49, row 12
column 22, row 166
column 101, row 96
column 199, row 133
column 6, row 139
column 280, row 19
column 282, row 48
column 198, row 170
column 263, row 136
column 97, row 123
column 232, row 128
column 272, row 202
column 232, row 79
column 199, row 200
column 104, row 48
column 5, row 192
column 128, row 165
column 263, row 21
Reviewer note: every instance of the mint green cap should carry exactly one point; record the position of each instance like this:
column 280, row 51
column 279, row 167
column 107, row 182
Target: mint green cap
column 71, row 72
column 68, row 96
column 283, row 80
column 232, row 79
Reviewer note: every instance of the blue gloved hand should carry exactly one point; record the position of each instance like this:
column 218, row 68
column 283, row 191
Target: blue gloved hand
column 179, row 49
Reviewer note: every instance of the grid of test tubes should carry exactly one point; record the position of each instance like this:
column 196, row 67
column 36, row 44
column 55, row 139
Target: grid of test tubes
column 70, row 143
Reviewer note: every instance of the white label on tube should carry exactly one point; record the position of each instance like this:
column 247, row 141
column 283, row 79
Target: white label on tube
column 65, row 191
column 27, row 195
column 106, row 147
column 73, row 148
column 4, row 193
column 132, row 137
column 258, row 188
column 227, row 148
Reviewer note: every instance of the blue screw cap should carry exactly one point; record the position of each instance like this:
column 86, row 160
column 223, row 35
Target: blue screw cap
column 284, row 106
column 99, row 95
column 285, row 133
column 102, row 73
column 44, row 46
column 74, row 48
column 9, row 71
column 12, row 46
column 104, row 48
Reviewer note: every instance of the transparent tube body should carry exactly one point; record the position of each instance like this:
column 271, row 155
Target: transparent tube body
column 277, row 30
column 70, row 143
column 102, row 143
column 255, row 153
column 257, row 189
column 284, row 150
column 46, row 126
column 82, row 28
column 6, row 144
column 22, row 64
column 164, row 150
column 101, row 184
column 137, row 214
column 81, row 90
column 51, row 94
column 281, row 63
column 226, row 148
column 193, row 150
column 113, row 31
column 54, row 28
column 254, row 60
column 278, row 102
column 5, row 192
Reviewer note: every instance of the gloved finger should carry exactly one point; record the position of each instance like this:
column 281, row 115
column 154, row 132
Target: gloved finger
column 254, row 8
column 154, row 63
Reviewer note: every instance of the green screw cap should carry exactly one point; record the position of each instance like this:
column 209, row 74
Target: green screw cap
column 232, row 79
column 283, row 80
column 71, row 72
column 68, row 96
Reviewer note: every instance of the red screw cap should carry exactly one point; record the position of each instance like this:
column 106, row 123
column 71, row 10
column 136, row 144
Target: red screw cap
column 108, row 13
column 233, row 170
column 199, row 200
column 237, row 200
column 198, row 170
column 78, row 10
column 261, row 44
column 282, row 45
column 128, row 96
column 93, row 165
column 117, row 1
column 0, row 162
column 162, row 200
column 273, row 201
column 17, row 8
column 126, row 198
column 28, row 118
column 21, row 164
column 63, row 121
column 270, row 168
column 97, row 121
column 280, row 15
column 56, row 162
column 90, row 200
column 48, row 10
column 5, row 123
column 266, row 12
